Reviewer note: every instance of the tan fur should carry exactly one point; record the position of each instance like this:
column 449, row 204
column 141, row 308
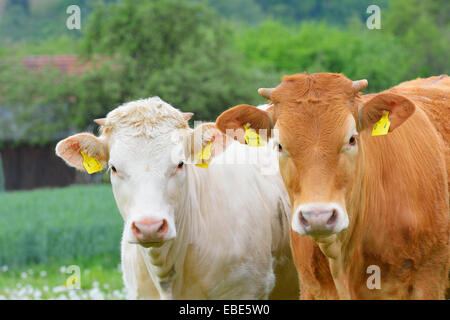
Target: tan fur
column 395, row 189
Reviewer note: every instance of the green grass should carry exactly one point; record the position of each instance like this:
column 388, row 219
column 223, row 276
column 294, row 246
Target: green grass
column 59, row 225
column 48, row 282
column 44, row 231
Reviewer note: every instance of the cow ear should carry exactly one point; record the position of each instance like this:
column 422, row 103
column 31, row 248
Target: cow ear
column 400, row 108
column 205, row 142
column 70, row 150
column 232, row 121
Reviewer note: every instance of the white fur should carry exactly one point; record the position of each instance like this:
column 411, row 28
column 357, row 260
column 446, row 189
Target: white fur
column 228, row 224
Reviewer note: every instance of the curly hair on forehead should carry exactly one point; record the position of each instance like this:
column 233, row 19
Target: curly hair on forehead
column 318, row 85
column 145, row 117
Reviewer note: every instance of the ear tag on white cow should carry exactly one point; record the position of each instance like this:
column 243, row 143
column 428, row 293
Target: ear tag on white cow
column 92, row 165
column 381, row 128
column 252, row 138
column 203, row 155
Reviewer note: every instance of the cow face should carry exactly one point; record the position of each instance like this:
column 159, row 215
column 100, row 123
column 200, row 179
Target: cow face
column 147, row 177
column 146, row 154
column 319, row 120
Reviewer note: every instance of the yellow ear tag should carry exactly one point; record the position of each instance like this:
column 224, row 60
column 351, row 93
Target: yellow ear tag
column 203, row 155
column 381, row 128
column 252, row 138
column 92, row 165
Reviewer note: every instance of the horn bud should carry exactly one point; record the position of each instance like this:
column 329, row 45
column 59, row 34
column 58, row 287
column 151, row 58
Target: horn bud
column 359, row 85
column 266, row 92
column 100, row 121
column 187, row 115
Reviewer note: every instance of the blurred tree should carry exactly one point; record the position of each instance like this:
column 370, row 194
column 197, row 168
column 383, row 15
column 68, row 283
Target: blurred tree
column 316, row 47
column 33, row 104
column 423, row 27
column 178, row 50
column 249, row 11
column 2, row 176
column 28, row 20
column 334, row 12
column 189, row 56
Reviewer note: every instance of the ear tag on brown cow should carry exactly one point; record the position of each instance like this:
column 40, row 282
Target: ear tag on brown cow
column 203, row 155
column 252, row 138
column 92, row 165
column 381, row 127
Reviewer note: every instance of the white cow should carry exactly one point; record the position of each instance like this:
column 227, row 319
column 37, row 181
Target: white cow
column 220, row 232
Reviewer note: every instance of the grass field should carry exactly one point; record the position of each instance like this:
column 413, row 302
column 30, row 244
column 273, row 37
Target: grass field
column 46, row 225
column 43, row 232
column 96, row 282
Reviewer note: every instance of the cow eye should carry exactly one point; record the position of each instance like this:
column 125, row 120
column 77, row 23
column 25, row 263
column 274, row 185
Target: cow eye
column 280, row 147
column 352, row 141
column 180, row 164
column 113, row 169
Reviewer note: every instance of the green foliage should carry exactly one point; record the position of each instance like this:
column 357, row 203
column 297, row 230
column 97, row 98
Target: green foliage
column 188, row 55
column 37, row 20
column 179, row 51
column 53, row 46
column 34, row 105
column 61, row 225
column 249, row 11
column 423, row 28
column 316, row 47
column 2, row 176
column 293, row 11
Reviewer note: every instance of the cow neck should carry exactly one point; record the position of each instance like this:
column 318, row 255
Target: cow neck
column 163, row 263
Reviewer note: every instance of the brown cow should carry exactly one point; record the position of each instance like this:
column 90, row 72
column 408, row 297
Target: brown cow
column 377, row 206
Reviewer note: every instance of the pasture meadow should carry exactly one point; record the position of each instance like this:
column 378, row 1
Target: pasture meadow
column 43, row 232
column 51, row 282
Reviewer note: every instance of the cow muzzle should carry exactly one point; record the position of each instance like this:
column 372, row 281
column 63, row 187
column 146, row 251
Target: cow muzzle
column 319, row 219
column 148, row 231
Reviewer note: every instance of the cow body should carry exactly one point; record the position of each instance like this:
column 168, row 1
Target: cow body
column 402, row 217
column 377, row 207
column 220, row 232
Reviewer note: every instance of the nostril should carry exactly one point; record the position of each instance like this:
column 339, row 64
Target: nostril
column 303, row 220
column 333, row 218
column 135, row 229
column 164, row 227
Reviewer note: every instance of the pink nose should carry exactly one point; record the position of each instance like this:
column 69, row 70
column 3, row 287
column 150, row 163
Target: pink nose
column 318, row 221
column 149, row 230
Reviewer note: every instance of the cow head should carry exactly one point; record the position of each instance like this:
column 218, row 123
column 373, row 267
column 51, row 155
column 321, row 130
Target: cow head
column 319, row 120
column 147, row 146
